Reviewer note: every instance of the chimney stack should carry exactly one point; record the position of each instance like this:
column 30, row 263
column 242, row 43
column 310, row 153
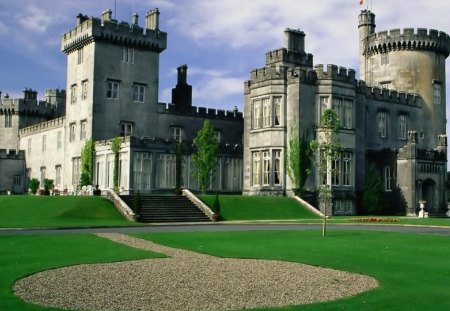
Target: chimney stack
column 135, row 19
column 152, row 20
column 294, row 40
column 106, row 15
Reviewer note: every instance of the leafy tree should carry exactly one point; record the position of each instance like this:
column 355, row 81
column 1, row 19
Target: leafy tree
column 298, row 159
column 116, row 142
column 205, row 156
column 87, row 163
column 216, row 205
column 137, row 203
column 326, row 147
column 373, row 197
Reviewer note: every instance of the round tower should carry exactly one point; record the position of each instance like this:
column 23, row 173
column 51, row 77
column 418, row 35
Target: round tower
column 412, row 62
column 366, row 27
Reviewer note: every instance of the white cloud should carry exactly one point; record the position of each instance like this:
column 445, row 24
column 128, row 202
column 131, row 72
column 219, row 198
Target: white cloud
column 36, row 19
column 217, row 88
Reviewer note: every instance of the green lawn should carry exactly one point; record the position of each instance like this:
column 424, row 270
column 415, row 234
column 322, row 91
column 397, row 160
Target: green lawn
column 413, row 269
column 22, row 255
column 24, row 211
column 237, row 207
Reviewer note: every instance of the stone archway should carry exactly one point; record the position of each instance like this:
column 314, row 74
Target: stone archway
column 429, row 195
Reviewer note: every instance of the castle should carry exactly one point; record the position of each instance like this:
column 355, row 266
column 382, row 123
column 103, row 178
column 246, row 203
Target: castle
column 392, row 119
column 112, row 91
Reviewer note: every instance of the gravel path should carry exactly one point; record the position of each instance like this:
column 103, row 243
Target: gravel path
column 187, row 281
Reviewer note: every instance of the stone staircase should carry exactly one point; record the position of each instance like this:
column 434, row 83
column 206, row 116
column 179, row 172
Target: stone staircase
column 166, row 208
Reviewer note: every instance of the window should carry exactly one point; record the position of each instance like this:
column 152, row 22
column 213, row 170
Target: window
column 387, row 179
column 17, row 180
column 276, row 167
column 266, row 112
column 8, row 120
column 29, row 146
column 138, row 94
column 58, row 175
column 112, row 89
column 344, row 110
column 127, row 54
column 176, row 134
column 256, row 168
column 84, row 87
column 256, row 114
column 73, row 94
column 277, row 111
column 266, row 167
column 42, row 176
column 44, row 143
column 59, row 140
column 386, row 85
column 342, row 207
column 382, row 124
column 83, row 128
column 72, row 132
column 346, row 168
column 126, row 129
column 218, row 136
column 402, row 127
column 335, row 171
column 80, row 55
column 323, row 169
column 384, row 58
column 76, row 171
column 323, row 105
column 437, row 93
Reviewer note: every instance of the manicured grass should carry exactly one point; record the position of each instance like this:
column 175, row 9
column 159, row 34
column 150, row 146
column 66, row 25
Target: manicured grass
column 236, row 207
column 413, row 270
column 24, row 211
column 27, row 254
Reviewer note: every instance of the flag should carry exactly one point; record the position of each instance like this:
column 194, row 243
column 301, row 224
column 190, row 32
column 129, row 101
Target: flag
column 361, row 2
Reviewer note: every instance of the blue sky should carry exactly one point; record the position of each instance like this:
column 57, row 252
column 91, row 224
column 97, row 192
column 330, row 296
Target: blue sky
column 221, row 41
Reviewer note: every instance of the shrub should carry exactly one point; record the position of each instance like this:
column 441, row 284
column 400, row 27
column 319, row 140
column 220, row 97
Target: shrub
column 48, row 184
column 216, row 206
column 33, row 185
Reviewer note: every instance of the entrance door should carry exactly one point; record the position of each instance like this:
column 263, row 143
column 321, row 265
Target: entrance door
column 428, row 194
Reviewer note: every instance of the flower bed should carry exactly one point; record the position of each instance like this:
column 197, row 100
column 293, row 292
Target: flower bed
column 374, row 219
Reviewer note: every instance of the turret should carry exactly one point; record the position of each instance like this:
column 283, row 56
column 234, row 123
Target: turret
column 366, row 27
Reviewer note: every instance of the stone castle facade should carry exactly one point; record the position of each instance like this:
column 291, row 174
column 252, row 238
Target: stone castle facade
column 393, row 118
column 112, row 90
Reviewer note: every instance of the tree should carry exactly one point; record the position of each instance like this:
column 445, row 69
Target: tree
column 298, row 160
column 33, row 185
column 87, row 163
column 373, row 197
column 327, row 147
column 115, row 147
column 205, row 155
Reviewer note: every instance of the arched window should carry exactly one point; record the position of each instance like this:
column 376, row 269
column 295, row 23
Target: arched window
column 387, row 179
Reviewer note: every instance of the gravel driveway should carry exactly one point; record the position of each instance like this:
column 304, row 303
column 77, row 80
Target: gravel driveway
column 187, row 281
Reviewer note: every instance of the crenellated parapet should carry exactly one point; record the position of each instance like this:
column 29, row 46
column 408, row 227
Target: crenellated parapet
column 42, row 127
column 202, row 112
column 90, row 29
column 285, row 56
column 26, row 107
column 334, row 72
column 12, row 154
column 408, row 39
column 387, row 95
column 302, row 75
column 268, row 73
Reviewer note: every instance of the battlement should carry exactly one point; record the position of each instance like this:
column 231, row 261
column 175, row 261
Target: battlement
column 334, row 72
column 28, row 105
column 268, row 73
column 392, row 96
column 292, row 58
column 42, row 127
column 202, row 112
column 12, row 154
column 91, row 29
column 409, row 39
